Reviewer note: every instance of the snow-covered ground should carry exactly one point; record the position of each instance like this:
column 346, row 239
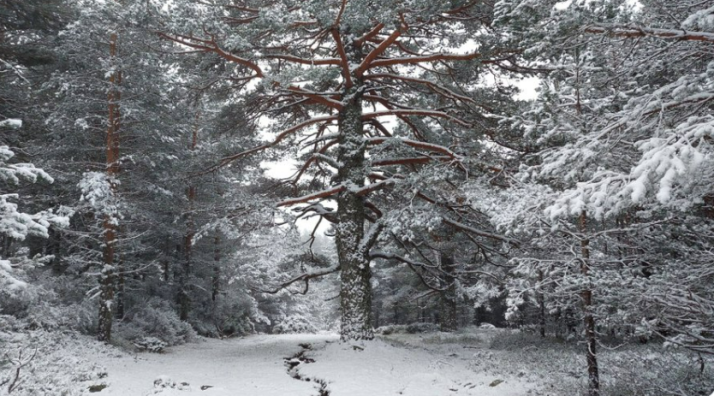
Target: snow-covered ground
column 389, row 367
column 247, row 366
column 256, row 366
column 474, row 361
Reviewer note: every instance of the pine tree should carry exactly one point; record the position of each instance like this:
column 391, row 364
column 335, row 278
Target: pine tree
column 319, row 67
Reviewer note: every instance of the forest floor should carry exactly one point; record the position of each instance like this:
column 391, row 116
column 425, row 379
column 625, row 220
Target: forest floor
column 267, row 365
column 473, row 361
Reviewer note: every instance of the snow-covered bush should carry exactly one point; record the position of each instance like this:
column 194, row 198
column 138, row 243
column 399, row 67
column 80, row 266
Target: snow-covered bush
column 509, row 340
column 232, row 314
column 156, row 319
column 43, row 304
column 413, row 328
column 50, row 363
column 150, row 344
column 51, row 315
column 391, row 329
column 294, row 324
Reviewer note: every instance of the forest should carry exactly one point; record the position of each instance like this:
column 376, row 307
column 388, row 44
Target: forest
column 357, row 197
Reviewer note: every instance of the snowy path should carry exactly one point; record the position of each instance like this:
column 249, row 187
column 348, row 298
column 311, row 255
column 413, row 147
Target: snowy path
column 251, row 366
column 255, row 366
column 408, row 368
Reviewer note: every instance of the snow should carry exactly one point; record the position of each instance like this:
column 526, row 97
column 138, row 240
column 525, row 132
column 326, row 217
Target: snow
column 404, row 366
column 484, row 361
column 11, row 123
column 255, row 366
column 247, row 366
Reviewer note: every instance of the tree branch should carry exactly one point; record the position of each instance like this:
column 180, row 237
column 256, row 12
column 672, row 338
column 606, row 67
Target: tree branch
column 422, row 59
column 369, row 59
column 281, row 136
column 212, row 46
column 631, row 32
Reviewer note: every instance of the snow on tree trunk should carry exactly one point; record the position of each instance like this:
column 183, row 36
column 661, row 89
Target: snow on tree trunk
column 108, row 276
column 589, row 319
column 356, row 290
column 121, row 283
column 106, row 299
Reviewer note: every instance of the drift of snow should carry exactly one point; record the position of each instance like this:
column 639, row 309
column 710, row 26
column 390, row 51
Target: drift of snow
column 11, row 123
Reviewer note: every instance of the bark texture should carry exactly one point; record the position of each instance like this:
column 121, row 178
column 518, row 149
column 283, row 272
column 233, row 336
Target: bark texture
column 355, row 273
column 589, row 320
column 108, row 274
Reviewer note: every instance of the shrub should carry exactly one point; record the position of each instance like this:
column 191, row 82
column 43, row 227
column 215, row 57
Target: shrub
column 151, row 344
column 44, row 359
column 233, row 314
column 416, row 328
column 156, row 319
column 294, row 324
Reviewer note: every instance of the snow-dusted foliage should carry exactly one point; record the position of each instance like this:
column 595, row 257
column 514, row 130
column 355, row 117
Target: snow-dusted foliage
column 44, row 363
column 17, row 225
column 613, row 189
column 157, row 320
column 422, row 191
column 294, row 324
column 98, row 192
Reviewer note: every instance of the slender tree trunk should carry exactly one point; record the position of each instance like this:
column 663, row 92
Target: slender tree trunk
column 55, row 248
column 589, row 319
column 183, row 297
column 448, row 304
column 165, row 260
column 355, row 273
column 541, row 304
column 108, row 273
column 121, row 280
column 216, row 281
column 106, row 280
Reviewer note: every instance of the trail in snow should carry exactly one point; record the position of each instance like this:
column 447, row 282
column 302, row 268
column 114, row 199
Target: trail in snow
column 293, row 363
column 251, row 366
column 305, row 365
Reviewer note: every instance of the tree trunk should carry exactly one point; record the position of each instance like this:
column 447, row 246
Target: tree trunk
column 355, row 273
column 108, row 273
column 183, row 297
column 216, row 281
column 121, row 280
column 541, row 304
column 54, row 247
column 589, row 319
column 165, row 261
column 448, row 305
